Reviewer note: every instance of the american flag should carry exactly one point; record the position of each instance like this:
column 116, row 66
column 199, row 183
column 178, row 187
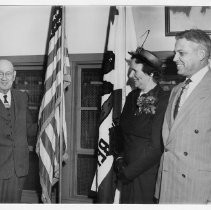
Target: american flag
column 121, row 39
column 51, row 120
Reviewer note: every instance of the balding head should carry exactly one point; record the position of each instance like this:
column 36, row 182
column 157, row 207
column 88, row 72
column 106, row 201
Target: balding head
column 5, row 64
column 7, row 75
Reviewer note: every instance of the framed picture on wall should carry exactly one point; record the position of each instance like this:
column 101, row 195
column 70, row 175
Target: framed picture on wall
column 180, row 18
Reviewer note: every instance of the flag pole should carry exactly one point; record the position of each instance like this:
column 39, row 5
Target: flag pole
column 125, row 70
column 61, row 107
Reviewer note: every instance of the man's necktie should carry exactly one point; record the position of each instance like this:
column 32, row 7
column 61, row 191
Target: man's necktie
column 6, row 103
column 179, row 98
column 5, row 99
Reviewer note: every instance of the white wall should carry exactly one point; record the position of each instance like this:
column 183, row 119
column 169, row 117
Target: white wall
column 86, row 28
column 152, row 18
column 24, row 28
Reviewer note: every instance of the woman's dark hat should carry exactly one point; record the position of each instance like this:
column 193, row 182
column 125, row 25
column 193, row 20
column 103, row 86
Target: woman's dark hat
column 147, row 57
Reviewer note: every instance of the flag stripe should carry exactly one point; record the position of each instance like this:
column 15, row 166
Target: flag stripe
column 106, row 108
column 54, row 40
column 55, row 53
column 55, row 56
column 53, row 77
column 55, row 125
column 45, row 183
column 48, row 109
column 50, row 140
column 46, row 160
column 52, row 124
column 52, row 67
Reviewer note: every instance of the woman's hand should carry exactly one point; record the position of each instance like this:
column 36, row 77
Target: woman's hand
column 119, row 165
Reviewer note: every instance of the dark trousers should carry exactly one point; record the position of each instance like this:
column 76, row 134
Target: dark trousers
column 11, row 189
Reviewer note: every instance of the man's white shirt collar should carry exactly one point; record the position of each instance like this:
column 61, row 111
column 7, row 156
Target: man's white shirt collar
column 196, row 78
column 8, row 97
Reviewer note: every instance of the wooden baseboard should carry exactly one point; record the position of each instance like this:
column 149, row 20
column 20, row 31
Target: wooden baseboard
column 77, row 201
column 29, row 196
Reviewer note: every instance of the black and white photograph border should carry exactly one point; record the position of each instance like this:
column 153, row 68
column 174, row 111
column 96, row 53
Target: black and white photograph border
column 151, row 41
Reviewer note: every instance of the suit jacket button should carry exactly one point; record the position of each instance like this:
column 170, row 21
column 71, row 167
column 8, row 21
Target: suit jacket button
column 165, row 150
column 183, row 175
column 196, row 131
column 185, row 153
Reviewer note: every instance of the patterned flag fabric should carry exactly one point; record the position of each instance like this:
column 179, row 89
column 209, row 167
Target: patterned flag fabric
column 51, row 120
column 121, row 39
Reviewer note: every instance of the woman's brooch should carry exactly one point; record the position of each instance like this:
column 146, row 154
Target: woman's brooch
column 146, row 104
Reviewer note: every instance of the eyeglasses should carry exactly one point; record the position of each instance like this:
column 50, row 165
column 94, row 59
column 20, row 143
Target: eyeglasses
column 8, row 74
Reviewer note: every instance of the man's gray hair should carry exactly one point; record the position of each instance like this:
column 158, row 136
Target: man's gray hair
column 198, row 36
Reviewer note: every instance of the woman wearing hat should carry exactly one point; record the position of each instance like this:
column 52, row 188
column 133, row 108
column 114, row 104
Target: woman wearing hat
column 141, row 124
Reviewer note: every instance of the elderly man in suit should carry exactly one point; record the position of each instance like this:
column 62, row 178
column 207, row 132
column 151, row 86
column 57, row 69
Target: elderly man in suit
column 14, row 120
column 185, row 169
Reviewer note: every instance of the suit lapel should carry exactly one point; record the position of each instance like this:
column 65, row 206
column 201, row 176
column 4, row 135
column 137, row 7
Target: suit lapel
column 201, row 91
column 174, row 99
column 3, row 112
column 14, row 104
column 171, row 106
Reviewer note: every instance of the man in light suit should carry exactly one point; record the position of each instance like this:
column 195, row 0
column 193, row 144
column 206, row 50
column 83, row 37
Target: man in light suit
column 185, row 169
column 15, row 123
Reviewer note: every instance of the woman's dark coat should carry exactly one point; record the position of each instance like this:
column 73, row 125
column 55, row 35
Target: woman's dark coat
column 142, row 140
